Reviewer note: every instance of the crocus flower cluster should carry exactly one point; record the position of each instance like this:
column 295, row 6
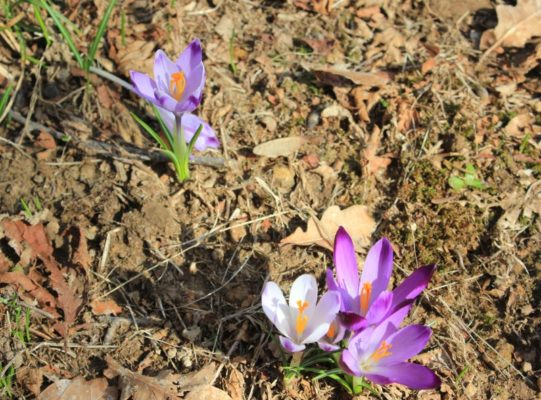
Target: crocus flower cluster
column 358, row 316
column 176, row 91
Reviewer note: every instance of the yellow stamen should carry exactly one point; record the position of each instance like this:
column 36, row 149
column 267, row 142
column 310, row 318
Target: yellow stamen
column 302, row 305
column 382, row 351
column 366, row 291
column 302, row 320
column 332, row 330
column 177, row 84
column 300, row 326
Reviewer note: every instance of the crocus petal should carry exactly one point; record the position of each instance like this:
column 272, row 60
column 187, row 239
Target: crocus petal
column 207, row 137
column 413, row 285
column 195, row 81
column 345, row 261
column 187, row 105
column 326, row 346
column 304, row 289
column 144, row 85
column 406, row 343
column 275, row 308
column 291, row 346
column 379, row 308
column 378, row 267
column 397, row 316
column 412, row 375
column 350, row 363
column 163, row 69
column 331, row 282
column 324, row 314
column 191, row 57
column 164, row 100
column 352, row 321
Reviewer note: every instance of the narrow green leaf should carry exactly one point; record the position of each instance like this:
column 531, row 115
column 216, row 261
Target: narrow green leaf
column 41, row 23
column 99, row 35
column 5, row 98
column 194, row 139
column 164, row 127
column 57, row 18
column 150, row 131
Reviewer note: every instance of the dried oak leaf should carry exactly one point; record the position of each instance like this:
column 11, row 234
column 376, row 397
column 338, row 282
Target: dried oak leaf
column 79, row 389
column 139, row 387
column 34, row 237
column 355, row 219
column 106, row 307
column 335, row 76
column 517, row 25
column 320, row 6
column 374, row 163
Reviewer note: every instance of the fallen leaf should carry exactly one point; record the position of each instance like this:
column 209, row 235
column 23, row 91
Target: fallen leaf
column 106, row 307
column 520, row 125
column 321, row 46
column 207, row 392
column 235, row 384
column 373, row 162
column 45, row 140
column 139, row 387
column 428, row 65
column 368, row 12
column 79, row 389
column 355, row 219
column 320, row 6
column 280, row 147
column 517, row 25
column 34, row 238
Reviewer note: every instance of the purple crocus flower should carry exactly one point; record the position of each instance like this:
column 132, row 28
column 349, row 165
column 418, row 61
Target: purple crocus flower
column 304, row 320
column 190, row 124
column 379, row 353
column 177, row 86
column 366, row 301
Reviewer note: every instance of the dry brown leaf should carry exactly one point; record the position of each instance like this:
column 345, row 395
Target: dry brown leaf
column 207, row 392
column 236, row 384
column 517, row 25
column 355, row 219
column 45, row 140
column 320, row 6
column 137, row 55
column 374, row 163
column 34, row 238
column 79, row 389
column 428, row 65
column 280, row 147
column 343, row 77
column 139, row 387
column 520, row 125
column 106, row 307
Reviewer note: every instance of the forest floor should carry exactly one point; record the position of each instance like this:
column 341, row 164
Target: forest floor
column 112, row 267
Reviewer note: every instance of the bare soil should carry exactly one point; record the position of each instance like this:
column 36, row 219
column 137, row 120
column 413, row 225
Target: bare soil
column 186, row 262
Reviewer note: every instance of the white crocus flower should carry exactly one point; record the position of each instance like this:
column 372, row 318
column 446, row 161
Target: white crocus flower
column 303, row 320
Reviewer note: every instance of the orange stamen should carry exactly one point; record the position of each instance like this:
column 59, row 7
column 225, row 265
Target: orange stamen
column 302, row 305
column 366, row 291
column 302, row 320
column 177, row 84
column 332, row 330
column 382, row 351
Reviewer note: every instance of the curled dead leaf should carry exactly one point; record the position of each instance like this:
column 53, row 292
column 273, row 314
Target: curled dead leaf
column 79, row 389
column 355, row 219
column 106, row 307
column 280, row 147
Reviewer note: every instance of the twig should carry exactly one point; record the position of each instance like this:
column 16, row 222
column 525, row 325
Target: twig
column 129, row 151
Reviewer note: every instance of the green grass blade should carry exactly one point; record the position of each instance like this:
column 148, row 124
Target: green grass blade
column 99, row 35
column 57, row 18
column 41, row 23
column 151, row 132
column 232, row 64
column 5, row 98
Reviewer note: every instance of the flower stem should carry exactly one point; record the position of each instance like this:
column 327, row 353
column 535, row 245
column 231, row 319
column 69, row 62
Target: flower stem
column 112, row 78
column 296, row 359
column 181, row 150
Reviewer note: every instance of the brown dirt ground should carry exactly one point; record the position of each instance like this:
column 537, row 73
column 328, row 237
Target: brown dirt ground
column 187, row 262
